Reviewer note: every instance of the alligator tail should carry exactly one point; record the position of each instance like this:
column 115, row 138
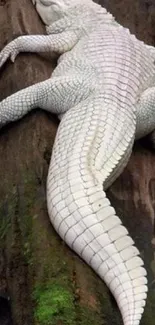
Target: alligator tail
column 92, row 147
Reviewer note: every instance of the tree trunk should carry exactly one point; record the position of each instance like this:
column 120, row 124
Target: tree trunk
column 47, row 283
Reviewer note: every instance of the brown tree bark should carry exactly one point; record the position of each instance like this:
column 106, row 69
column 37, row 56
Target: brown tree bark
column 47, row 283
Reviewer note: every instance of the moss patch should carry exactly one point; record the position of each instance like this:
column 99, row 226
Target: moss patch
column 54, row 305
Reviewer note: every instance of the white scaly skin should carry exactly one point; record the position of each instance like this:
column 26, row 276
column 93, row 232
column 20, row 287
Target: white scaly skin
column 103, row 91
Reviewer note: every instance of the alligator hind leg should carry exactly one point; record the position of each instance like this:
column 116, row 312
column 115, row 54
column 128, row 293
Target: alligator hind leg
column 145, row 115
column 52, row 95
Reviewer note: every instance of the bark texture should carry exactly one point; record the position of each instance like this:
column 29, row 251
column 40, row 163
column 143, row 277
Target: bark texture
column 47, row 283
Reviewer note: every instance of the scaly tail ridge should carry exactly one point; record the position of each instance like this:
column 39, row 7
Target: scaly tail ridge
column 83, row 161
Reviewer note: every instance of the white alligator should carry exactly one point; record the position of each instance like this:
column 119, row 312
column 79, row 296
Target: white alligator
column 103, row 90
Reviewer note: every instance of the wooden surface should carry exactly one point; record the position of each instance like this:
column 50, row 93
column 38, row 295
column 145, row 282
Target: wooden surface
column 34, row 262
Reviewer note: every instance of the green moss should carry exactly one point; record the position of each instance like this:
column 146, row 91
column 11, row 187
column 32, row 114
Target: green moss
column 54, row 303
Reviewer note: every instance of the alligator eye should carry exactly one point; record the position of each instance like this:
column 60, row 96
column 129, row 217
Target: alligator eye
column 47, row 3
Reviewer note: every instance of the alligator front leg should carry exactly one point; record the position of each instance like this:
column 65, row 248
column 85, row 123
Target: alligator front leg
column 57, row 43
